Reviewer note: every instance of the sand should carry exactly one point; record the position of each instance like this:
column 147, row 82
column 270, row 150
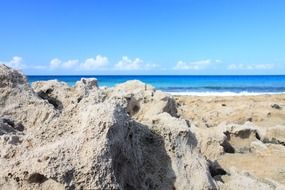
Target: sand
column 210, row 111
column 262, row 111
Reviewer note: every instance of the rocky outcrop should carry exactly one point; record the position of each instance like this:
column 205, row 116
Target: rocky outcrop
column 244, row 156
column 226, row 138
column 144, row 101
column 19, row 103
column 131, row 136
column 275, row 135
column 54, row 136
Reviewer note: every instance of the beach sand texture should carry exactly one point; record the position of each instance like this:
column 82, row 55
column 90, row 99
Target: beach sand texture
column 265, row 113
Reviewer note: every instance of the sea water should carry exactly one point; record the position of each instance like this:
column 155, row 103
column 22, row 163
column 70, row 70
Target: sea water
column 191, row 85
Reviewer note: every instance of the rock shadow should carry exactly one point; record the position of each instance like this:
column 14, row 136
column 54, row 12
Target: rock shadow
column 37, row 178
column 216, row 170
column 228, row 148
column 239, row 142
column 141, row 162
column 46, row 96
column 7, row 126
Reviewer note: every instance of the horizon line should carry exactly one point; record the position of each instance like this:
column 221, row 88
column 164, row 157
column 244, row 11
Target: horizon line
column 157, row 75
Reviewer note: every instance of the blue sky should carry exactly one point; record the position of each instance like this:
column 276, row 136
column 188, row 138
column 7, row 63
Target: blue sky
column 143, row 36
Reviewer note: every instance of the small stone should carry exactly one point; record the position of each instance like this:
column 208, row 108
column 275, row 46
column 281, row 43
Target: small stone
column 276, row 106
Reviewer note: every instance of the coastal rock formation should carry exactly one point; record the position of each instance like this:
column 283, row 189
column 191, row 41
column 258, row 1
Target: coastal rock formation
column 243, row 180
column 18, row 102
column 244, row 156
column 59, row 137
column 131, row 136
column 243, row 142
column 144, row 101
column 275, row 135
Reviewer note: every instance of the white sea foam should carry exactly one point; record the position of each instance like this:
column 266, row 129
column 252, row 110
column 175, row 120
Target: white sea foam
column 224, row 93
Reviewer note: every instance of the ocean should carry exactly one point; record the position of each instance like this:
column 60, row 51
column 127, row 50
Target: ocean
column 191, row 85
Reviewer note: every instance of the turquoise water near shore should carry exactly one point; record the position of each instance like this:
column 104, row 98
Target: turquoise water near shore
column 196, row 85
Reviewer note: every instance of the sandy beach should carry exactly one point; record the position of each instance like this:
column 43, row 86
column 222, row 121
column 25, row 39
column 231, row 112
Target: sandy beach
column 265, row 112
column 210, row 111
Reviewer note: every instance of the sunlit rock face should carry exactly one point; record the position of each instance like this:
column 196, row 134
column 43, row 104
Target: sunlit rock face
column 54, row 136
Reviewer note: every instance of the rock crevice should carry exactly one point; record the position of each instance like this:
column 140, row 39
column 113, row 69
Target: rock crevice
column 84, row 137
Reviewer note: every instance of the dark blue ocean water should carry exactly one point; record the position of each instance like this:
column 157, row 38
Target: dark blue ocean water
column 190, row 84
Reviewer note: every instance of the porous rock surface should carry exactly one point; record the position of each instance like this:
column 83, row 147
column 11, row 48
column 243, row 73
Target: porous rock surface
column 54, row 136
column 244, row 156
column 131, row 136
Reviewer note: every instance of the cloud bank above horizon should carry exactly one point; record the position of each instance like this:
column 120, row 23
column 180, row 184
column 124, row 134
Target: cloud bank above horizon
column 125, row 64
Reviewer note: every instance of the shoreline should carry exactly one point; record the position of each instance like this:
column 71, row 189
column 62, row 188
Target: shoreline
column 223, row 94
column 189, row 85
column 189, row 93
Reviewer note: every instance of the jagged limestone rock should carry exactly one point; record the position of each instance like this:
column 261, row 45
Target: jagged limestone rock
column 89, row 138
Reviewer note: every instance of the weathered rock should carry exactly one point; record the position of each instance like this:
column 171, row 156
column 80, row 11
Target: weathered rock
column 54, row 136
column 244, row 132
column 276, row 106
column 180, row 145
column 210, row 143
column 55, row 92
column 19, row 102
column 240, row 137
column 274, row 135
column 243, row 180
column 141, row 99
column 225, row 138
column 86, row 84
column 64, row 97
column 242, row 146
column 94, row 138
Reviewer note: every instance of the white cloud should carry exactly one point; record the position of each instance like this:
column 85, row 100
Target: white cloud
column 91, row 63
column 196, row 65
column 70, row 64
column 136, row 64
column 55, row 63
column 251, row 66
column 16, row 62
column 127, row 64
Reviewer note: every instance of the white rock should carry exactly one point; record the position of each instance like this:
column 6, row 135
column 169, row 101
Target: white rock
column 93, row 138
